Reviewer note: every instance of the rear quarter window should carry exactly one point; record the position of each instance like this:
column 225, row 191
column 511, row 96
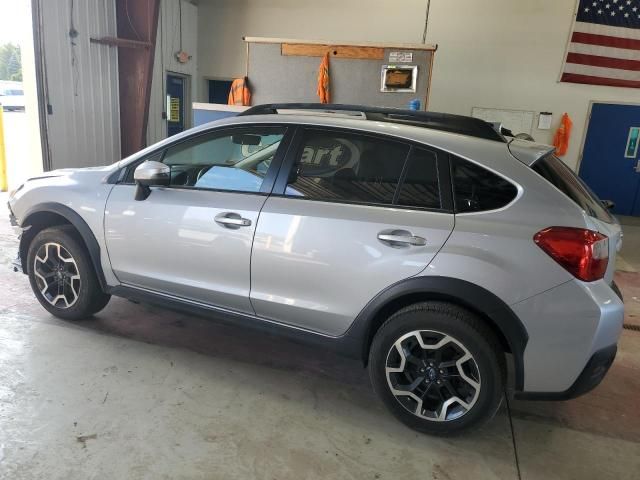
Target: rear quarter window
column 552, row 169
column 476, row 189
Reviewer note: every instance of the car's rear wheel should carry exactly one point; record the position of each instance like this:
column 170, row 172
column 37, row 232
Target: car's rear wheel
column 62, row 275
column 438, row 368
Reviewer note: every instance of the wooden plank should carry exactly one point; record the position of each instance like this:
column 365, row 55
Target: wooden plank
column 391, row 45
column 338, row 51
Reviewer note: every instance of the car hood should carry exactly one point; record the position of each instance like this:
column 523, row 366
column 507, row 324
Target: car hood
column 64, row 177
column 84, row 172
column 83, row 190
column 64, row 171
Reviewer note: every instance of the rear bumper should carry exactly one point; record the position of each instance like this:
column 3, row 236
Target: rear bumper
column 571, row 328
column 590, row 378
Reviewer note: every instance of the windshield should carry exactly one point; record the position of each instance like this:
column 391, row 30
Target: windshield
column 563, row 178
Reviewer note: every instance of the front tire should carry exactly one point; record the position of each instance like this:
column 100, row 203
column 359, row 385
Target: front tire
column 438, row 368
column 62, row 276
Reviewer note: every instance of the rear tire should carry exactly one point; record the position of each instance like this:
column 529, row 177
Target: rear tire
column 452, row 377
column 62, row 276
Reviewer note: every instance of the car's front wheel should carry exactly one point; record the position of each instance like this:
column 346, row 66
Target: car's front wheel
column 438, row 368
column 62, row 276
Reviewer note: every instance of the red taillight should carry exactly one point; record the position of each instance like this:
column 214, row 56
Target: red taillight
column 583, row 253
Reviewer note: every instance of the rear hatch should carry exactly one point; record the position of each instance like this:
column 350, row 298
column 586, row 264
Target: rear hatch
column 596, row 215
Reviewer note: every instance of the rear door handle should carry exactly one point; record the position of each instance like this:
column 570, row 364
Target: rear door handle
column 232, row 220
column 398, row 238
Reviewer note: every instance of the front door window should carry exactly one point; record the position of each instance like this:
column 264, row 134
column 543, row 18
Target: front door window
column 235, row 160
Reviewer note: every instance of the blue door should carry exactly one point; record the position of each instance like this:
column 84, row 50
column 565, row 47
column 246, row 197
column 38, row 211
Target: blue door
column 175, row 104
column 610, row 162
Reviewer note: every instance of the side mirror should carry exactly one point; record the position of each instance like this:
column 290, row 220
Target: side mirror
column 608, row 204
column 150, row 174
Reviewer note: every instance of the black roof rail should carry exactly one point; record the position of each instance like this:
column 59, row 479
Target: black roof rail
column 473, row 127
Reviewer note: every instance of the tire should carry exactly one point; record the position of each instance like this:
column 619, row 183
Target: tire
column 458, row 333
column 69, row 263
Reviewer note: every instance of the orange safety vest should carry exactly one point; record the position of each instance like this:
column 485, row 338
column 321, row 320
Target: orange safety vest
column 323, row 80
column 240, row 93
column 561, row 138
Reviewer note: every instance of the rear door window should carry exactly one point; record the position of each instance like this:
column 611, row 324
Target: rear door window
column 420, row 187
column 476, row 189
column 552, row 169
column 346, row 167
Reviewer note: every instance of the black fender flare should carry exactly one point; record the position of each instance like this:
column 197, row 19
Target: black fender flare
column 78, row 223
column 461, row 292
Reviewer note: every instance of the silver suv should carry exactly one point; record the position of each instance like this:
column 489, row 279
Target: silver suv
column 427, row 245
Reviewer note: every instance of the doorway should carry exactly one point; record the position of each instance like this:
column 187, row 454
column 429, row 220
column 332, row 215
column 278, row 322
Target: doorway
column 177, row 106
column 610, row 162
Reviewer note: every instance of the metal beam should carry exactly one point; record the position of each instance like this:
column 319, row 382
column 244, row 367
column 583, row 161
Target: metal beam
column 137, row 26
column 120, row 42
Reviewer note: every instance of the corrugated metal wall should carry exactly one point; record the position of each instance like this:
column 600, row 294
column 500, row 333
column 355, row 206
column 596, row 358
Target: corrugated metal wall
column 81, row 82
column 167, row 45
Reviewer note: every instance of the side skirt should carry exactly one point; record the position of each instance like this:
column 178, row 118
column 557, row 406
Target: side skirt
column 342, row 345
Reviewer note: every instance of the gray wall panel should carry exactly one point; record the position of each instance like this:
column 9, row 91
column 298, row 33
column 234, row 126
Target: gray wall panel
column 277, row 78
column 82, row 83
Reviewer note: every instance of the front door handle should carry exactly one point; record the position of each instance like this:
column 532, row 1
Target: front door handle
column 232, row 220
column 398, row 238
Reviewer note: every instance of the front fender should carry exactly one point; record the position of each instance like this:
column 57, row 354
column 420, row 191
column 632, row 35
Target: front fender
column 35, row 219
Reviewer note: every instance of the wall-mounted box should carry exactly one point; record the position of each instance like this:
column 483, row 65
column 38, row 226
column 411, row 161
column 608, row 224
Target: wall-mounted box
column 399, row 78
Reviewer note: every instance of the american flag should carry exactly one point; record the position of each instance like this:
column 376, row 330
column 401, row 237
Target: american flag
column 605, row 44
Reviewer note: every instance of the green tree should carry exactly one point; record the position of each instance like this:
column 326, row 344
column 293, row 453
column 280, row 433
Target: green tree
column 10, row 62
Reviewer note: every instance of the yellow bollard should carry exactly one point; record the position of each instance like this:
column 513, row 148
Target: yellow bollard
column 3, row 158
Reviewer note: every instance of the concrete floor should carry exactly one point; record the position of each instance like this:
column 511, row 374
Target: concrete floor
column 138, row 392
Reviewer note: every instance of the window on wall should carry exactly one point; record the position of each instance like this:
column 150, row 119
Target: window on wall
column 335, row 166
column 219, row 91
column 235, row 160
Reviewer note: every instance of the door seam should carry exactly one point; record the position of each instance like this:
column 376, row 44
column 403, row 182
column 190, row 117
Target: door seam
column 453, row 227
column 104, row 235
column 253, row 239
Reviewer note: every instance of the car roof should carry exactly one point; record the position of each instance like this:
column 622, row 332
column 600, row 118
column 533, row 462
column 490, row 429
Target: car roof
column 494, row 155
column 436, row 138
column 446, row 122
column 472, row 148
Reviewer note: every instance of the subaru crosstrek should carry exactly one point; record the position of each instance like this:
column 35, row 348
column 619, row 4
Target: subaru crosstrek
column 427, row 245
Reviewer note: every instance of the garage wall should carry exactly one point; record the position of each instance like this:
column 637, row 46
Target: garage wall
column 167, row 45
column 494, row 53
column 81, row 81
